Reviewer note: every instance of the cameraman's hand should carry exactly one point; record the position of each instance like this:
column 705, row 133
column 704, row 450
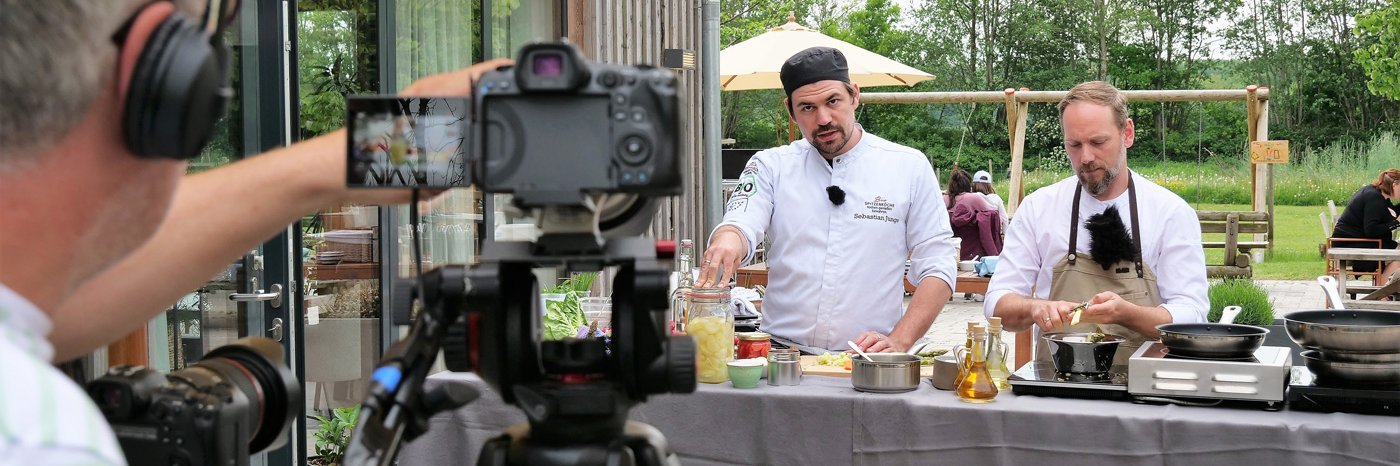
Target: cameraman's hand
column 453, row 83
column 727, row 248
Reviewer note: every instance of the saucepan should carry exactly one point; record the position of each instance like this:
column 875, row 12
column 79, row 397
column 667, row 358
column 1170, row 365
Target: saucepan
column 885, row 372
column 1225, row 340
column 1079, row 353
column 1340, row 333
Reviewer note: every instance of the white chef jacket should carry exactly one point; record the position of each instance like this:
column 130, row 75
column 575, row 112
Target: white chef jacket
column 836, row 271
column 45, row 418
column 1171, row 245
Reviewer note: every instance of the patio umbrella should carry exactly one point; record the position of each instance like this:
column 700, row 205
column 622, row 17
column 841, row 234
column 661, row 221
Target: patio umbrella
column 754, row 63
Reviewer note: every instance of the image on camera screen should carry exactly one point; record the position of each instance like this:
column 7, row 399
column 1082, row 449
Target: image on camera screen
column 406, row 141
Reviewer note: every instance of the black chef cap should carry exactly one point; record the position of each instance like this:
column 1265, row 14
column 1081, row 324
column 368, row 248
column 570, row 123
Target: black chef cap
column 812, row 65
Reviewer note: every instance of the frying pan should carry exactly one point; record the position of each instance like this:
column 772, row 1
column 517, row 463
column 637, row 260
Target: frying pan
column 1342, row 332
column 1213, row 341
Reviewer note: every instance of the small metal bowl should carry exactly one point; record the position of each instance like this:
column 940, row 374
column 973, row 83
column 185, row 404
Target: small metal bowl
column 885, row 373
column 1347, row 374
column 1072, row 353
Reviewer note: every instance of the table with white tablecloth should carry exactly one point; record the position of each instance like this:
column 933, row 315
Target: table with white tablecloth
column 824, row 421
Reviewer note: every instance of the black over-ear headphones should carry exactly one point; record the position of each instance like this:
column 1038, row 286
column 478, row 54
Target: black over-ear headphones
column 179, row 89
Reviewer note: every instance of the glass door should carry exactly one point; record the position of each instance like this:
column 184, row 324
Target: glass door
column 254, row 295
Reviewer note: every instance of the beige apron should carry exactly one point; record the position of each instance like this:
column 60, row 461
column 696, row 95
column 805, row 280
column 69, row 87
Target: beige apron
column 1077, row 277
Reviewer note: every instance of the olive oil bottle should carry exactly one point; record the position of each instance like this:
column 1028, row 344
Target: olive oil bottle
column 977, row 386
column 964, row 362
column 996, row 355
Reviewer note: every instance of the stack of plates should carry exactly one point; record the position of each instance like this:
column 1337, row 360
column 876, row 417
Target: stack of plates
column 329, row 257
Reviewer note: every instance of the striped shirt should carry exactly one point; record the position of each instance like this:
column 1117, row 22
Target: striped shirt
column 45, row 418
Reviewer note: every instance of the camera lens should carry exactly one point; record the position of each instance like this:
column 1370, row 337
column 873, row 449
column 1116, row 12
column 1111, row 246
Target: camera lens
column 254, row 366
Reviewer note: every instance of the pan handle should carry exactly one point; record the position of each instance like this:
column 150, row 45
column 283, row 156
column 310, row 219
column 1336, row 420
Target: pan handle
column 1227, row 316
column 1329, row 286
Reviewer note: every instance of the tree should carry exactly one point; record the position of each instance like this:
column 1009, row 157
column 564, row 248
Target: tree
column 1379, row 53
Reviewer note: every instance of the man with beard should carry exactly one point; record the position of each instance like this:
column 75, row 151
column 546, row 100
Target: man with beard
column 1107, row 237
column 843, row 210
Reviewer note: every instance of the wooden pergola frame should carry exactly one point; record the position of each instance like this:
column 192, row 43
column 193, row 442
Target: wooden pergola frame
column 1017, row 102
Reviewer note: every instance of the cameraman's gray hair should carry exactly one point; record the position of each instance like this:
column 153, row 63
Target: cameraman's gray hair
column 55, row 57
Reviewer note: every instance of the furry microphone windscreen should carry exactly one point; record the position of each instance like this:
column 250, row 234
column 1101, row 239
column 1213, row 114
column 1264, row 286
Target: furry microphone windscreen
column 836, row 195
column 1109, row 241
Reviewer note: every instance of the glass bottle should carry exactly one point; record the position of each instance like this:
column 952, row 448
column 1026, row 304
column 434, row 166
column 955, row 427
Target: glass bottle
column 964, row 362
column 711, row 322
column 977, row 386
column 996, row 355
column 685, row 282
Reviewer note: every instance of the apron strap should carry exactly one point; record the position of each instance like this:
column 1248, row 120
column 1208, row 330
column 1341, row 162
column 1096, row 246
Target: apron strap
column 1074, row 224
column 1132, row 210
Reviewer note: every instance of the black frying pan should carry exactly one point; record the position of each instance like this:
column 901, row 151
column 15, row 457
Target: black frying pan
column 1212, row 341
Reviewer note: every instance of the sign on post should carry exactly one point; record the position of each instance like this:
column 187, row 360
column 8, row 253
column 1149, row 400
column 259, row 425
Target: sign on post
column 1268, row 151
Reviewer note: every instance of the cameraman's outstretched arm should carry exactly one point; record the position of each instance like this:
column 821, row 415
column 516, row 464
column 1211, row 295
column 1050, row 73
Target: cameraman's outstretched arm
column 216, row 217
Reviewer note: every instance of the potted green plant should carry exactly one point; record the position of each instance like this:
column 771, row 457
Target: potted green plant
column 1255, row 306
column 343, row 343
column 333, row 436
column 562, row 313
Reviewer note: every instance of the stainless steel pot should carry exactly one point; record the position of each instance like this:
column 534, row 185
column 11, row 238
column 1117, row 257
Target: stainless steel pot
column 1347, row 374
column 1212, row 340
column 1072, row 352
column 1363, row 358
column 1347, row 331
column 885, row 373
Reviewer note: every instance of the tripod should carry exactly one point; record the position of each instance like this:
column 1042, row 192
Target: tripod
column 575, row 393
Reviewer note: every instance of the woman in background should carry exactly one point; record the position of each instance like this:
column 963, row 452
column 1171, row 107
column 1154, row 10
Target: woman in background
column 974, row 219
column 982, row 183
column 1370, row 214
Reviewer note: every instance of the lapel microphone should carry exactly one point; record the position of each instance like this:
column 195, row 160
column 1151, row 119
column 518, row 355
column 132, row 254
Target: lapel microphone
column 836, row 195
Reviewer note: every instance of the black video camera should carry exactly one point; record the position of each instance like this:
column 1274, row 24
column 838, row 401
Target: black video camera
column 238, row 400
column 547, row 130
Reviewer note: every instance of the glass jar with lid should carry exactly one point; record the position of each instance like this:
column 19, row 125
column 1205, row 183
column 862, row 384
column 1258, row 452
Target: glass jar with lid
column 711, row 322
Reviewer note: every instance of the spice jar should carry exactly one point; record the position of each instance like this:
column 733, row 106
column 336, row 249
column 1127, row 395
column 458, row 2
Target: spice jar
column 711, row 322
column 753, row 345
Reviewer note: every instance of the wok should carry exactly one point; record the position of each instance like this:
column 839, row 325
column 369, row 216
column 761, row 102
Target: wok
column 1213, row 341
column 1345, row 330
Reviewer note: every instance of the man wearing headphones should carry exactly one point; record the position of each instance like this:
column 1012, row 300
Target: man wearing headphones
column 103, row 102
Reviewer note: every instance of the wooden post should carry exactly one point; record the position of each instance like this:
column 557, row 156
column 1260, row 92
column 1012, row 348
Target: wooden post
column 1251, row 107
column 130, row 350
column 1232, row 230
column 1018, row 149
column 1010, row 117
column 1262, row 132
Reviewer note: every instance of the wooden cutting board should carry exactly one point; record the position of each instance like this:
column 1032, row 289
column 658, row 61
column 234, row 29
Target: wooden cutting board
column 810, row 367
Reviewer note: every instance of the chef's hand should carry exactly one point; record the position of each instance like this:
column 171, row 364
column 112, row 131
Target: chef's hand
column 1106, row 308
column 1050, row 315
column 876, row 342
column 722, row 257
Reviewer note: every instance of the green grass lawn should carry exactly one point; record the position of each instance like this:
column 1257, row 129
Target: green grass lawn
column 1297, row 234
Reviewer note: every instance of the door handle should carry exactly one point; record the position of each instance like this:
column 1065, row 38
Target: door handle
column 274, row 297
column 276, row 330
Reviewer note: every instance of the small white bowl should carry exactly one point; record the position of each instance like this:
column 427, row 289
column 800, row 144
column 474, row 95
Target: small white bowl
column 967, row 266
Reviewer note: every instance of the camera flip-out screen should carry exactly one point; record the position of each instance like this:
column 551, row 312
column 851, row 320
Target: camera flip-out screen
column 408, row 141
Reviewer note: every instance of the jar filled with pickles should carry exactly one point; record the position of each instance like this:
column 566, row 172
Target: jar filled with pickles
column 711, row 322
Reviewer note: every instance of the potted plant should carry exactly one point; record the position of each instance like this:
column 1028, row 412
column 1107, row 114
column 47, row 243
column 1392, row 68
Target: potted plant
column 333, row 436
column 562, row 313
column 343, row 343
column 1255, row 306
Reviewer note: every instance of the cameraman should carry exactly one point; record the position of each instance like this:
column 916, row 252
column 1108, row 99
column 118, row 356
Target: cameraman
column 95, row 240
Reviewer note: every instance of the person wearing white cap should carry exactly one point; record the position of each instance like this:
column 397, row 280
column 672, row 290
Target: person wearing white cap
column 982, row 183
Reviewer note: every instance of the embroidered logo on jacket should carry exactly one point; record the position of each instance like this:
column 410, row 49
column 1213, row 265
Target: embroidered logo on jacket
column 878, row 207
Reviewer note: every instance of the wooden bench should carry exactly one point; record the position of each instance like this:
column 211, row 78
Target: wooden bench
column 1233, row 223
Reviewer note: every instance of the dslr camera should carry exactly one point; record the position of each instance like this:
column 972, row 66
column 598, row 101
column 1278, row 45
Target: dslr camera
column 239, row 400
column 547, row 130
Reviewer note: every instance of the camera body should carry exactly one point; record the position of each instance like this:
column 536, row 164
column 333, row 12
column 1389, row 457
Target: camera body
column 182, row 420
column 555, row 125
column 240, row 399
column 549, row 130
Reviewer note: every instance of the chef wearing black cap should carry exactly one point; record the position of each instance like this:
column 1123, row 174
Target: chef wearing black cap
column 843, row 209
